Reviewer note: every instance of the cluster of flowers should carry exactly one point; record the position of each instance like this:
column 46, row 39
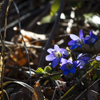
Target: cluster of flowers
column 78, row 41
column 58, row 55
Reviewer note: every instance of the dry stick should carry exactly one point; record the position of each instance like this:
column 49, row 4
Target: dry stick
column 2, row 14
column 79, row 81
column 3, row 11
column 6, row 18
column 88, row 88
column 23, row 18
column 51, row 35
column 23, row 40
column 3, row 56
column 53, row 94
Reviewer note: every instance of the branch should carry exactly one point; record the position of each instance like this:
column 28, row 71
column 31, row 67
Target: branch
column 3, row 11
column 51, row 35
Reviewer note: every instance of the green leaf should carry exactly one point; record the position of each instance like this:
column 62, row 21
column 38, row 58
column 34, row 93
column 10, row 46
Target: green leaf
column 55, row 6
column 47, row 19
column 94, row 76
column 47, row 69
column 56, row 76
column 94, row 62
column 39, row 71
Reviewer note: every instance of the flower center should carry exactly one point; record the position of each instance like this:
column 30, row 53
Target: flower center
column 79, row 42
column 57, row 54
column 69, row 66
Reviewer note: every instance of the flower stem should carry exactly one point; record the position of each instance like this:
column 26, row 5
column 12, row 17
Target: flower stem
column 79, row 81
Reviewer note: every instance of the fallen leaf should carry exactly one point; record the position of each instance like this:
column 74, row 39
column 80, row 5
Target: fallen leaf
column 37, row 89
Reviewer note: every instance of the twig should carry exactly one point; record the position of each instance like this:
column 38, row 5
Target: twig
column 53, row 94
column 23, row 40
column 2, row 14
column 88, row 88
column 3, row 11
column 58, row 88
column 23, row 18
column 40, row 78
column 51, row 35
column 6, row 18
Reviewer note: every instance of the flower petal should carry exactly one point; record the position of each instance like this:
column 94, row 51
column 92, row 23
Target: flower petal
column 75, row 64
column 69, row 61
column 81, row 34
column 50, row 57
column 64, row 53
column 81, row 67
column 50, row 50
column 86, row 40
column 71, row 42
column 74, row 37
column 80, row 55
column 81, row 63
column 73, row 70
column 63, row 61
column 74, row 46
column 80, row 46
column 63, row 67
column 65, row 72
column 98, row 58
column 85, row 59
column 55, row 62
column 56, row 47
column 92, row 40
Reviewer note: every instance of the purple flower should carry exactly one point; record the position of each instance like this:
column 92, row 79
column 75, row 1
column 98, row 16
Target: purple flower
column 68, row 66
column 56, row 54
column 76, row 41
column 91, row 39
column 98, row 59
column 82, row 60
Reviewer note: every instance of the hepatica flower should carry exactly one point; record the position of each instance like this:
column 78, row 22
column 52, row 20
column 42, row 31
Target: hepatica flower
column 68, row 66
column 56, row 54
column 98, row 59
column 82, row 59
column 91, row 39
column 76, row 41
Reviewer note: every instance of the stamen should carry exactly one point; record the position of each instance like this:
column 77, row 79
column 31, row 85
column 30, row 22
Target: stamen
column 69, row 66
column 57, row 54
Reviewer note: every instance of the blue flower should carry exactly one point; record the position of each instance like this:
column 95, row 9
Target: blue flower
column 98, row 59
column 76, row 41
column 68, row 66
column 56, row 54
column 82, row 60
column 91, row 39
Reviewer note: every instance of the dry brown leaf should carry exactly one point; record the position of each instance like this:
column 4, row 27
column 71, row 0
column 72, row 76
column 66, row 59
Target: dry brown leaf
column 22, row 61
column 34, row 97
column 33, row 35
column 38, row 94
column 13, row 57
column 48, row 93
